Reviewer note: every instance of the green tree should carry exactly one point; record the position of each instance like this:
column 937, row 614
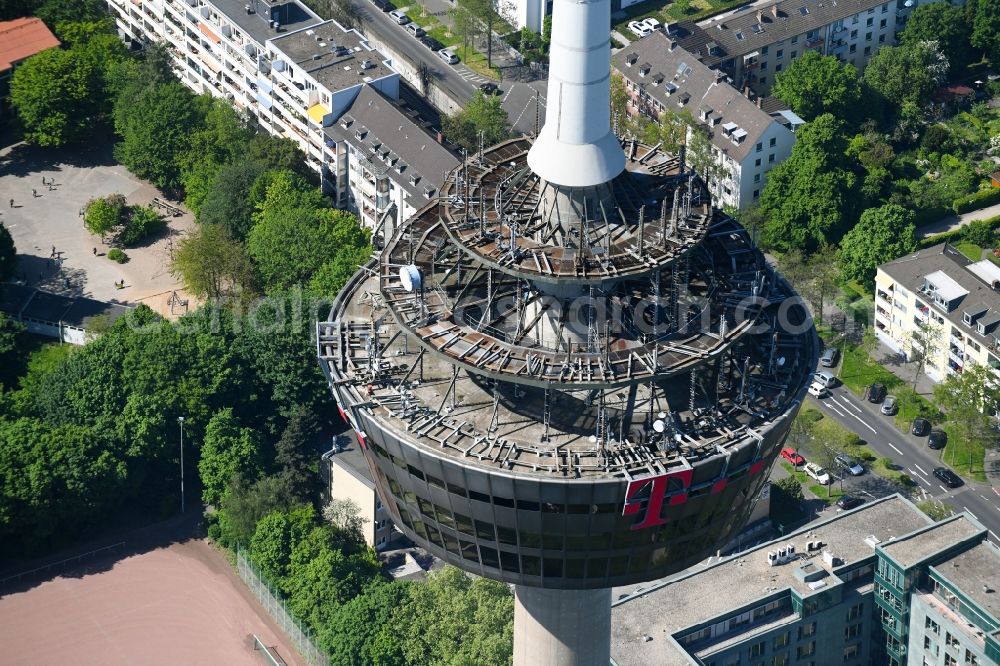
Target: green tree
column 979, row 232
column 13, row 336
column 362, row 631
column 922, row 342
column 464, row 24
column 944, row 23
column 483, row 117
column 231, row 201
column 907, row 73
column 53, row 94
column 816, row 84
column 211, row 264
column 986, row 28
column 227, row 450
column 222, row 139
column 8, row 254
column 54, row 12
column 292, row 451
column 968, row 396
column 156, row 123
column 790, row 488
column 244, row 505
column 104, row 214
column 808, row 199
column 882, row 234
column 139, row 223
column 490, row 14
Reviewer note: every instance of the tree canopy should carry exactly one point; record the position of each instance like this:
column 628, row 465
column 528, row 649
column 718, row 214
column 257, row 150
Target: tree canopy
column 481, row 115
column 941, row 22
column 907, row 73
column 986, row 28
column 882, row 234
column 815, row 84
column 807, row 201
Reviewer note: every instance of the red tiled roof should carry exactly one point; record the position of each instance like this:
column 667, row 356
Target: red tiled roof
column 23, row 38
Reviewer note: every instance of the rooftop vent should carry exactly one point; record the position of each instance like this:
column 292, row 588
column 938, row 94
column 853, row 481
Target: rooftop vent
column 250, row 10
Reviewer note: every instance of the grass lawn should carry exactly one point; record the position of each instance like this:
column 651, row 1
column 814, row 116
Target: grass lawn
column 912, row 405
column 971, row 250
column 820, row 491
column 958, row 453
column 859, row 370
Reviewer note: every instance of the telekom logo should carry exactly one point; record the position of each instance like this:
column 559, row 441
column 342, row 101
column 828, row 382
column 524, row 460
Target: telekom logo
column 652, row 491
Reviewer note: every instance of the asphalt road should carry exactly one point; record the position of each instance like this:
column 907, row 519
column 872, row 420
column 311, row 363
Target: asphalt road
column 919, row 461
column 460, row 81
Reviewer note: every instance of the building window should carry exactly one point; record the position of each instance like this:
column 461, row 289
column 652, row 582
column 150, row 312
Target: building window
column 854, row 34
column 756, row 178
column 763, row 66
column 781, row 640
column 855, row 612
column 756, row 162
column 881, row 23
column 869, row 22
column 777, row 67
column 760, row 147
column 950, row 641
column 770, row 158
column 757, row 650
column 774, row 142
column 868, row 36
column 852, row 631
column 971, row 659
column 795, row 40
column 851, row 652
column 854, row 47
column 806, row 650
column 881, row 39
column 763, row 80
column 779, row 660
column 794, row 54
column 780, row 53
column 756, row 194
column 807, row 630
column 868, row 50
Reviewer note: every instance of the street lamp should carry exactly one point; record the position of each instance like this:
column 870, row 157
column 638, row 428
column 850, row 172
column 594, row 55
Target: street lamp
column 180, row 420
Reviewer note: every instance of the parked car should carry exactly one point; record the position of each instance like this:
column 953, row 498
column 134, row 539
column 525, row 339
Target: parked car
column 490, row 88
column 875, row 393
column 948, row 477
column 938, row 439
column 890, row 405
column 818, row 473
column 399, row 17
column 817, row 390
column 431, row 43
column 825, row 378
column 448, row 56
column 829, row 357
column 415, row 30
column 920, row 427
column 383, row 5
column 852, row 466
column 651, row 23
column 792, row 456
column 639, row 29
column 848, row 502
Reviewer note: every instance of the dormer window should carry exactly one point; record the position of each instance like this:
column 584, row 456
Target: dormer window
column 967, row 318
column 644, row 69
column 631, row 59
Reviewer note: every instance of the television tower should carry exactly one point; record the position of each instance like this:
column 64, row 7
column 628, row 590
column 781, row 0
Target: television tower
column 569, row 371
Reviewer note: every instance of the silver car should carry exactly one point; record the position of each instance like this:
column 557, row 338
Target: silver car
column 890, row 405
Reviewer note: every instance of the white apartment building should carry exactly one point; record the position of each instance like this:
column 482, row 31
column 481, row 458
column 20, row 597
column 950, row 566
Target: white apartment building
column 345, row 475
column 296, row 75
column 958, row 298
column 747, row 140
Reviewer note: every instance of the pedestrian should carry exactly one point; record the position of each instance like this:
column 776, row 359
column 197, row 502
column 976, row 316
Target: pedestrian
column 33, row 192
column 43, row 180
column 95, row 251
column 50, row 187
column 11, row 203
column 53, row 251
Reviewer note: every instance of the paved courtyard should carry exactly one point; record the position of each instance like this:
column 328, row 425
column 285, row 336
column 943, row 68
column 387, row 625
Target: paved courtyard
column 50, row 219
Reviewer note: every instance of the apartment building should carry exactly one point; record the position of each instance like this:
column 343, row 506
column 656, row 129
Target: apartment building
column 943, row 291
column 855, row 589
column 296, row 75
column 346, row 476
column 747, row 139
column 389, row 164
column 754, row 45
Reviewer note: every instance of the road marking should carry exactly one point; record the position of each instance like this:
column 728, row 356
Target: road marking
column 852, row 404
column 834, row 398
column 995, row 535
column 917, row 466
column 918, row 475
column 984, row 497
column 895, row 449
column 969, row 512
column 943, row 488
column 836, row 411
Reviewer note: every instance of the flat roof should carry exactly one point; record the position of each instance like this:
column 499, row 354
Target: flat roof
column 948, row 288
column 738, row 581
column 23, row 38
column 352, row 459
column 914, row 548
column 975, row 571
column 291, row 15
column 22, row 302
column 333, row 56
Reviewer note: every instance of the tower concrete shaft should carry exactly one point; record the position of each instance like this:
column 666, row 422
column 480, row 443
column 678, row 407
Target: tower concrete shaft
column 577, row 147
column 562, row 627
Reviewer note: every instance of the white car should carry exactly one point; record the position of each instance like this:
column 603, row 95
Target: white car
column 399, row 17
column 825, row 378
column 818, row 473
column 448, row 56
column 817, row 390
column 651, row 23
column 639, row 29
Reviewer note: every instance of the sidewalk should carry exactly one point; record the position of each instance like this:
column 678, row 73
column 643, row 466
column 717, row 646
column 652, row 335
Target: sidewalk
column 952, row 222
column 440, row 9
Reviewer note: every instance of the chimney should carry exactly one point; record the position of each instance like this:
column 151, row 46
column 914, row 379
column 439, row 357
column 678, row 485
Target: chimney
column 672, row 44
column 577, row 147
column 746, row 91
column 440, row 137
column 760, row 102
column 774, row 10
column 760, row 16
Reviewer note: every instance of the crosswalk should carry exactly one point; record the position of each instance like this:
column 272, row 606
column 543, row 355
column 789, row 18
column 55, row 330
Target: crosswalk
column 469, row 75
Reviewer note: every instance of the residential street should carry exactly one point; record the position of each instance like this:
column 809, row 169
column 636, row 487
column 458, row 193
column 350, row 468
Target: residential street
column 880, row 432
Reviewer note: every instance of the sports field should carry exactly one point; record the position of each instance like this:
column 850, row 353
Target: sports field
column 180, row 604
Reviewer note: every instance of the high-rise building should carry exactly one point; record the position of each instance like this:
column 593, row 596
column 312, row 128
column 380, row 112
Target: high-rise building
column 568, row 371
column 882, row 585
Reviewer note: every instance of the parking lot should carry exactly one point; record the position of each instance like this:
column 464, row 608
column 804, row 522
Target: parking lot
column 56, row 253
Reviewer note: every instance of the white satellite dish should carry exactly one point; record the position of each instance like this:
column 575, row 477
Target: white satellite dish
column 661, row 415
column 410, row 277
column 659, row 426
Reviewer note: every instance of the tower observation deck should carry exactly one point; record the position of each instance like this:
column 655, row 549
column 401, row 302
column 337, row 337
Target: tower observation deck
column 568, row 375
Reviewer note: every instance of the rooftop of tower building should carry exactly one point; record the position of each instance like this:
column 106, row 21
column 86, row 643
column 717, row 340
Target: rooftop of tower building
column 255, row 16
column 664, row 611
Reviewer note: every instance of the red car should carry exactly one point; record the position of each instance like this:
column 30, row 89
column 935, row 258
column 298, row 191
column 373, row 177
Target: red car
column 792, row 456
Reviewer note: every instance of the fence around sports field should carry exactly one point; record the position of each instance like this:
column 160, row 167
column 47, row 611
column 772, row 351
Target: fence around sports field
column 272, row 602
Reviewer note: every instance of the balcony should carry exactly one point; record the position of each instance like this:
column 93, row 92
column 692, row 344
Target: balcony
column 956, row 352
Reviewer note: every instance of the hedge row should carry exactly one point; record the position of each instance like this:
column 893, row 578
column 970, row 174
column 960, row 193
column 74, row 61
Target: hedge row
column 976, row 201
column 956, row 234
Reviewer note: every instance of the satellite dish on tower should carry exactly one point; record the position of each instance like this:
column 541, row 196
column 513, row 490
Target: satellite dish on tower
column 659, row 426
column 410, row 277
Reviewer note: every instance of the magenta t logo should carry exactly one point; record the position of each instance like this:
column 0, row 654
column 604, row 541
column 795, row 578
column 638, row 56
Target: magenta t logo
column 652, row 491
